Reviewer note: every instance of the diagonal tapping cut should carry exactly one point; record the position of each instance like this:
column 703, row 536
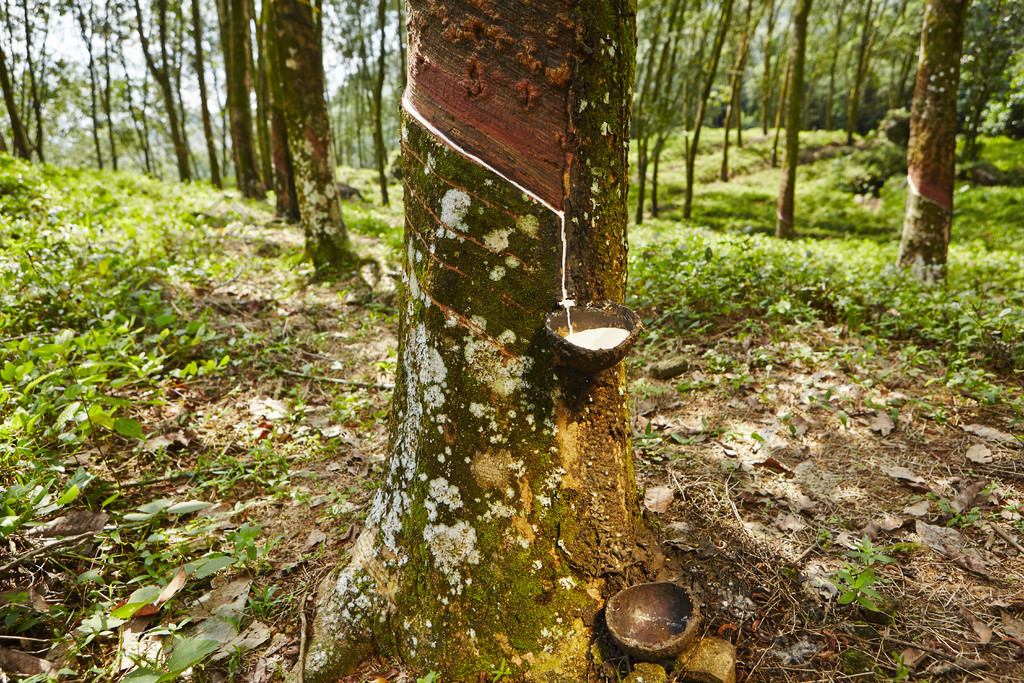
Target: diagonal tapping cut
column 566, row 301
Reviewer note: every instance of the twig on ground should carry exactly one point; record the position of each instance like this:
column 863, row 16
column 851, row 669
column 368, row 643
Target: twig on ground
column 335, row 380
column 47, row 549
column 1006, row 537
column 302, row 637
column 175, row 476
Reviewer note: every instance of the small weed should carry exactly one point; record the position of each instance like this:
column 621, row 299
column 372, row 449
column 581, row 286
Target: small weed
column 855, row 581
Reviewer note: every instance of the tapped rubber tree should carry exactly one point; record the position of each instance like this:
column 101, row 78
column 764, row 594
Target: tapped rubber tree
column 298, row 72
column 787, row 188
column 930, row 153
column 508, row 511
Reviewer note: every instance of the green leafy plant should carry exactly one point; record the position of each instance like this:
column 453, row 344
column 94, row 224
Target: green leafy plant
column 854, row 582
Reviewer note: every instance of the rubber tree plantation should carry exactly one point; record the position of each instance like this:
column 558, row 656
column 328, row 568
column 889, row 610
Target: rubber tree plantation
column 509, row 511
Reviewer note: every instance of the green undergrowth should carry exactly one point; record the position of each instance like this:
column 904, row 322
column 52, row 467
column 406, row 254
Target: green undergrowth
column 96, row 328
column 968, row 332
column 841, row 191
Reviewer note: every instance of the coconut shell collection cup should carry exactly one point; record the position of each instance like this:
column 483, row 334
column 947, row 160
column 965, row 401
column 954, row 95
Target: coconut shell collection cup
column 653, row 622
column 589, row 317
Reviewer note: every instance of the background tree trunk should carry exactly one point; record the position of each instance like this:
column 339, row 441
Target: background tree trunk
column 787, row 190
column 931, row 152
column 286, row 198
column 837, row 43
column 200, row 68
column 87, row 27
column 262, row 95
column 698, row 121
column 509, row 512
column 108, row 85
column 34, row 78
column 237, row 56
column 380, row 151
column 867, row 39
column 162, row 75
column 300, row 79
column 19, row 140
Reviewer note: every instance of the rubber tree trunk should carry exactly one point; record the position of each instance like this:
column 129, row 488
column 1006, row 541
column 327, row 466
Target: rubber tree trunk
column 509, row 510
column 787, row 190
column 300, row 74
column 199, row 65
column 237, row 48
column 837, row 43
column 88, row 31
column 734, row 108
column 930, row 154
column 262, row 95
column 19, row 140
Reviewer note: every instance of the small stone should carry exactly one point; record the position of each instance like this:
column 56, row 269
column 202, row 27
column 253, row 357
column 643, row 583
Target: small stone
column 645, row 672
column 668, row 368
column 707, row 660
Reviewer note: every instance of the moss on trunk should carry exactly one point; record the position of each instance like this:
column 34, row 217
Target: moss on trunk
column 509, row 509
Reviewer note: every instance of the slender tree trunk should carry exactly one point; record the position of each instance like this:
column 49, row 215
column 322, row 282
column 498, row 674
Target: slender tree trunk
column 837, row 43
column 300, row 80
column 509, row 512
column 735, row 87
column 659, row 147
column 177, row 60
column 31, row 67
column 199, row 66
column 234, row 14
column 162, row 75
column 404, row 64
column 108, row 87
column 931, row 152
column 380, row 151
column 698, row 123
column 767, row 84
column 18, row 138
column 778, row 113
column 3, row 144
column 262, row 95
column 285, row 195
column 863, row 56
column 87, row 28
column 137, row 117
column 784, row 223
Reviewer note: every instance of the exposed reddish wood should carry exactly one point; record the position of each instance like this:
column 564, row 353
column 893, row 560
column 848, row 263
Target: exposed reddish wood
column 495, row 79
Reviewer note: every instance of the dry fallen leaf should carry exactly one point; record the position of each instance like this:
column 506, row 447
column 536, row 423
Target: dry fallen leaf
column 658, row 498
column 269, row 408
column 949, row 542
column 173, row 586
column 983, row 631
column 882, row 424
column 918, row 509
column 789, row 522
column 913, row 479
column 74, row 523
column 18, row 662
column 990, row 433
column 775, row 466
column 1012, row 626
column 911, row 657
column 876, row 527
column 315, row 538
column 979, row 453
column 965, row 499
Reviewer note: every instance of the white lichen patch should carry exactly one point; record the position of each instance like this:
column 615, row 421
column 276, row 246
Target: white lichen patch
column 502, row 375
column 511, row 262
column 451, row 547
column 497, row 240
column 497, row 273
column 507, row 337
column 454, row 206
